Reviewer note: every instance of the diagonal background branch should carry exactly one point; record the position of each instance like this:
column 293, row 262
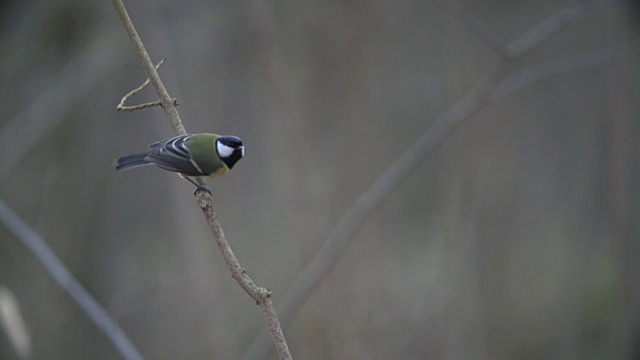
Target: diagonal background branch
column 494, row 86
column 39, row 248
column 531, row 75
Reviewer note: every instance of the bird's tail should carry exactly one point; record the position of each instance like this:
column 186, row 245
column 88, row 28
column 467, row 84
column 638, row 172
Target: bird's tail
column 131, row 161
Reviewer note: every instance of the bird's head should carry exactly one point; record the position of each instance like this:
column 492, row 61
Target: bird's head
column 230, row 150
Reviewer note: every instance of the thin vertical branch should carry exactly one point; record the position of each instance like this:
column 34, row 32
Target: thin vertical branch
column 166, row 101
column 259, row 294
column 36, row 244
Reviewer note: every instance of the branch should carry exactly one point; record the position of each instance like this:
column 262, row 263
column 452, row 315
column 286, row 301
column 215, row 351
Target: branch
column 67, row 281
column 353, row 219
column 494, row 82
column 572, row 13
column 260, row 295
column 531, row 75
column 165, row 100
column 123, row 107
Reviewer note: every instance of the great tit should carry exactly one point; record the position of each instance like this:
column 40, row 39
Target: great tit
column 202, row 154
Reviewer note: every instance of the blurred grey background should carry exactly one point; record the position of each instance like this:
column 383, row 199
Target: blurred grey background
column 517, row 238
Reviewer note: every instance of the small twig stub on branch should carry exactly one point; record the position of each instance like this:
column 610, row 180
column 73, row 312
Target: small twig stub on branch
column 122, row 107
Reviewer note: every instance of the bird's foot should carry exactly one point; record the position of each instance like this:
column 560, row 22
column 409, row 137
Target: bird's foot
column 198, row 186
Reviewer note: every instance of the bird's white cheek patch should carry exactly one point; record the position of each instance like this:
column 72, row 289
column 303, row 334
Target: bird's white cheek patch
column 223, row 150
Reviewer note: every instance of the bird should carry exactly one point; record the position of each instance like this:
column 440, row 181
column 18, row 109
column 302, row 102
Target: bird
column 190, row 155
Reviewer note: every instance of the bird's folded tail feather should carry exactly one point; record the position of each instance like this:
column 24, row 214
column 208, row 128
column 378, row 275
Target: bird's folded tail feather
column 131, row 161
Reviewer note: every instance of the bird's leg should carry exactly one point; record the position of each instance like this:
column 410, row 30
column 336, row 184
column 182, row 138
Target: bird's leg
column 198, row 186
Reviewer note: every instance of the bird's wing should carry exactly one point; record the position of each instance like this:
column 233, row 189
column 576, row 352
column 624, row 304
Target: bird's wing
column 173, row 155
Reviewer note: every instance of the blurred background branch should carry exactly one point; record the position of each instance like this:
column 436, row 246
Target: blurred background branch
column 39, row 248
column 495, row 85
column 569, row 63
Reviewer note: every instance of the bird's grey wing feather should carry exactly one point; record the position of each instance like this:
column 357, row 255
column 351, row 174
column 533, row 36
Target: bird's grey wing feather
column 173, row 155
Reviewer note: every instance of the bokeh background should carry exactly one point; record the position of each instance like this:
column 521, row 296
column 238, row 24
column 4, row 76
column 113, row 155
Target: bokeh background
column 516, row 238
